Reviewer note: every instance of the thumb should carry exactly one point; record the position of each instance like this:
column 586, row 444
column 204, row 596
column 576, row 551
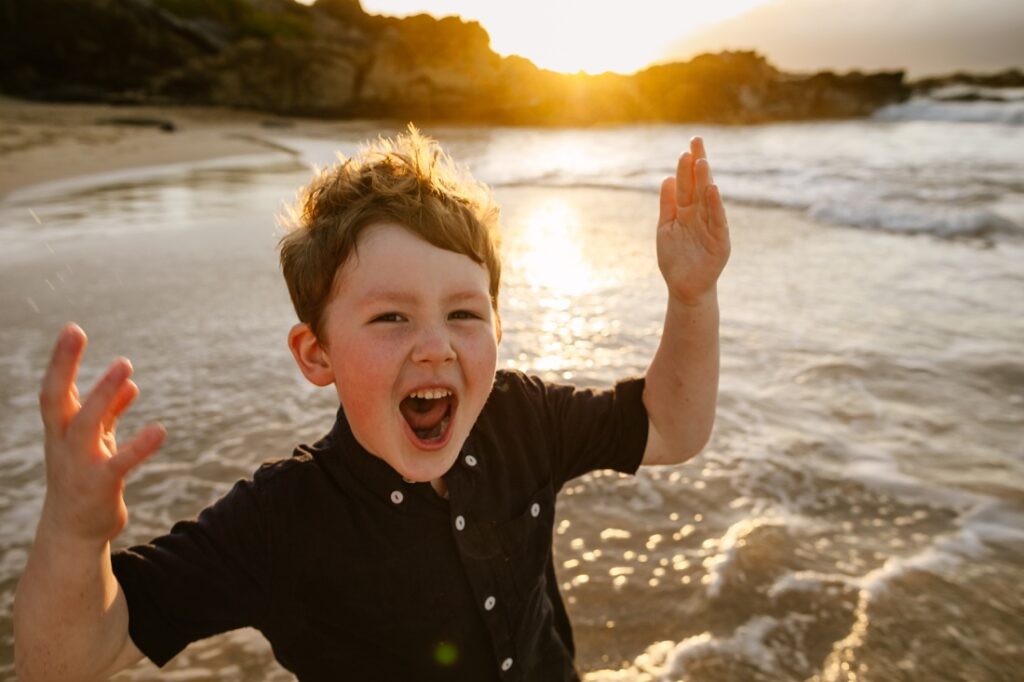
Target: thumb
column 667, row 200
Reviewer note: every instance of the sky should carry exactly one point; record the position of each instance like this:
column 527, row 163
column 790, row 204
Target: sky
column 924, row 36
column 574, row 35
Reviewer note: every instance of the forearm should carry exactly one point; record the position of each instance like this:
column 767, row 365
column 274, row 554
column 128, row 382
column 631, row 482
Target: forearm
column 68, row 621
column 681, row 387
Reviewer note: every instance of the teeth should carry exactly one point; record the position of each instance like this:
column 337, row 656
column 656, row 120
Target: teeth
column 431, row 393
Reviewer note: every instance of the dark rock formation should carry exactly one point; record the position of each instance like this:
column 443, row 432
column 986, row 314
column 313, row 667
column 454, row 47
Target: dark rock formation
column 1010, row 78
column 334, row 60
column 279, row 77
column 96, row 50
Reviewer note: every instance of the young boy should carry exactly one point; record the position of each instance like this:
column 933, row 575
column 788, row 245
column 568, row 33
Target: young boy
column 413, row 541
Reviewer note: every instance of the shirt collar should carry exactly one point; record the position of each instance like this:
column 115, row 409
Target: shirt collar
column 366, row 468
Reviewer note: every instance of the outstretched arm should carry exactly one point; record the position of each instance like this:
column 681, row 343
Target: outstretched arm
column 70, row 616
column 681, row 386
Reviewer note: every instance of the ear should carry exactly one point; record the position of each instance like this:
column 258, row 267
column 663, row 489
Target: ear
column 309, row 355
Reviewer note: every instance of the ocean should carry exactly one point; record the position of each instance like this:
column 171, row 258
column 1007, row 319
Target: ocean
column 859, row 511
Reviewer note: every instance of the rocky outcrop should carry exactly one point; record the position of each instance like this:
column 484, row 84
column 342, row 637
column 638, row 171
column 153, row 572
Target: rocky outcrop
column 99, row 50
column 280, row 77
column 1009, row 78
column 334, row 60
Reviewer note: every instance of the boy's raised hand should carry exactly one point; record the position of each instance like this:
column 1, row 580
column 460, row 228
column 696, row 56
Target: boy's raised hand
column 693, row 234
column 85, row 467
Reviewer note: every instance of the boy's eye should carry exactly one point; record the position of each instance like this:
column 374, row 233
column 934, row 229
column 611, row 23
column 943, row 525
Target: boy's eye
column 464, row 315
column 388, row 317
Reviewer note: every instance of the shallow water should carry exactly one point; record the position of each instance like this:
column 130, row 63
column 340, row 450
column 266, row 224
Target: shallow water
column 858, row 514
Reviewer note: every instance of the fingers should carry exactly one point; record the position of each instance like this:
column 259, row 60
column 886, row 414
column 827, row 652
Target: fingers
column 697, row 148
column 125, row 395
column 100, row 401
column 702, row 177
column 667, row 201
column 138, row 449
column 684, row 180
column 718, row 224
column 58, row 396
column 687, row 187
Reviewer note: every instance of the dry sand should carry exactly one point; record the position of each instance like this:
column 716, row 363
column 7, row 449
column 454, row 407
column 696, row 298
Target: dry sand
column 41, row 142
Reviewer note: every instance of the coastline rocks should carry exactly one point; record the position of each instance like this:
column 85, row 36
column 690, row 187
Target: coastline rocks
column 1009, row 78
column 91, row 50
column 276, row 77
column 332, row 59
column 428, row 68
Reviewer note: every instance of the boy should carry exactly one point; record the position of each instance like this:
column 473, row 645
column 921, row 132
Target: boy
column 414, row 541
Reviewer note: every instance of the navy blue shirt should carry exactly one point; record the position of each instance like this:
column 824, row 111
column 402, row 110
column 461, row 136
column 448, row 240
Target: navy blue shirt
column 351, row 572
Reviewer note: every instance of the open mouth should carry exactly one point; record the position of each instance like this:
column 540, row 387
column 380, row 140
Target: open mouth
column 428, row 412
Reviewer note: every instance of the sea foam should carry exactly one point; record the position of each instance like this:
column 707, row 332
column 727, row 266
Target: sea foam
column 1007, row 112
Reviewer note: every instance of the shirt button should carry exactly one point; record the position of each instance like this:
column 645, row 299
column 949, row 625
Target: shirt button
column 506, row 664
column 460, row 522
column 397, row 496
column 471, row 460
column 535, row 510
column 489, row 603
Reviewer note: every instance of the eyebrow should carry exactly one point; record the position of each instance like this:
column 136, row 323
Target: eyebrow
column 391, row 296
column 385, row 295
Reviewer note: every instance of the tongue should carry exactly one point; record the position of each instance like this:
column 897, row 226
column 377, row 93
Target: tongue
column 424, row 414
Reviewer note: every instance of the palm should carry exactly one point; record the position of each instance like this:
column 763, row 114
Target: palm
column 693, row 234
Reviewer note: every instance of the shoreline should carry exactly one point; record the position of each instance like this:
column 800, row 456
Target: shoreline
column 42, row 144
column 870, row 391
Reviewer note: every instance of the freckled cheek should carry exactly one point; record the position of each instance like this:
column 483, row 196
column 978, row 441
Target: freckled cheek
column 479, row 357
column 366, row 380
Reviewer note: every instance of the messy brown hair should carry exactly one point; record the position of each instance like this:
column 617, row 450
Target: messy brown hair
column 407, row 180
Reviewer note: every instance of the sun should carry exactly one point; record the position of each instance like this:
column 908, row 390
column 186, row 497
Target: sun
column 578, row 35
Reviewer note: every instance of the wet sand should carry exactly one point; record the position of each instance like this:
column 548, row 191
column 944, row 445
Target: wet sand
column 42, row 143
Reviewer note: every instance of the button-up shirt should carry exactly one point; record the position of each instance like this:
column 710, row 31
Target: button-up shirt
column 352, row 572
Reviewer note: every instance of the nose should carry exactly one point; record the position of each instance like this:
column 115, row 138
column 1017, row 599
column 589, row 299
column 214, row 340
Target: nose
column 434, row 346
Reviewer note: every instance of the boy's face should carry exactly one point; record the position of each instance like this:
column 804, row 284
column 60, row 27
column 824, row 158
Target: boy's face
column 412, row 342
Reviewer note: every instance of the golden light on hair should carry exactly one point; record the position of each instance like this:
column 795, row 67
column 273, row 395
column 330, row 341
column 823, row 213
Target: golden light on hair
column 407, row 180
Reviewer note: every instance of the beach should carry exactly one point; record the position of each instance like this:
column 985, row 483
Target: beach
column 858, row 511
column 42, row 143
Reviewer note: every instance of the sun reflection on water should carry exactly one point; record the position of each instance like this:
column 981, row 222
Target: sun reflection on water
column 550, row 256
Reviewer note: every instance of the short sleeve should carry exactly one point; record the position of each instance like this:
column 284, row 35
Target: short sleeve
column 207, row 576
column 594, row 429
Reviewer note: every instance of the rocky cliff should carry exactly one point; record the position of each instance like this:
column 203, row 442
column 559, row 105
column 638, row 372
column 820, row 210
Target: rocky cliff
column 332, row 59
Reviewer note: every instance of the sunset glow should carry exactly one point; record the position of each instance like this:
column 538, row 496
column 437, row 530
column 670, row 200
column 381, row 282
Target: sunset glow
column 575, row 35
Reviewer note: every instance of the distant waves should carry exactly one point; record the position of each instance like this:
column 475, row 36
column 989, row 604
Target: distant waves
column 961, row 104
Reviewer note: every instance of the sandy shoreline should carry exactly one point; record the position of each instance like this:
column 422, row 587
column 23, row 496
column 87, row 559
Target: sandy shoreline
column 42, row 142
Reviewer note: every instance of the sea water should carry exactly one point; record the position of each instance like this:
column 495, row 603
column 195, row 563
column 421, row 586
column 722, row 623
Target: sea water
column 859, row 511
